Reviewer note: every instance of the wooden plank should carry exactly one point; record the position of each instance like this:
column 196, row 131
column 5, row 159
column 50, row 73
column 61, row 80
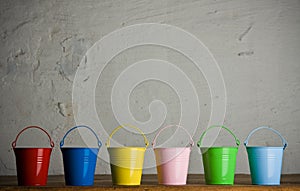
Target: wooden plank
column 149, row 182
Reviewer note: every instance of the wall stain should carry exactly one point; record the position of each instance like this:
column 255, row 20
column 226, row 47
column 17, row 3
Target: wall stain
column 5, row 166
column 241, row 37
column 246, row 53
column 64, row 109
column 62, row 43
column 62, row 73
column 19, row 52
column 212, row 12
column 86, row 79
column 35, row 66
column 6, row 33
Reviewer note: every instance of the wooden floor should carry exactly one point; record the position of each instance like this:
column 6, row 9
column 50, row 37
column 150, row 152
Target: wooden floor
column 149, row 182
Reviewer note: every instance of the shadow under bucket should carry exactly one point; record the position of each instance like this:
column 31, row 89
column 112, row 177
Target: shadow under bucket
column 265, row 162
column 79, row 163
column 126, row 163
column 219, row 162
column 172, row 163
column 32, row 163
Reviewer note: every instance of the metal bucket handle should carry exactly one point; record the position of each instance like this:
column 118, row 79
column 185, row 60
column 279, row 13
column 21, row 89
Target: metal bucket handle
column 284, row 142
column 237, row 141
column 127, row 125
column 62, row 142
column 29, row 127
column 168, row 126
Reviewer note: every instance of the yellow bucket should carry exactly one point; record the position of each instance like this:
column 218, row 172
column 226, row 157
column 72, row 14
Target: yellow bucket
column 126, row 163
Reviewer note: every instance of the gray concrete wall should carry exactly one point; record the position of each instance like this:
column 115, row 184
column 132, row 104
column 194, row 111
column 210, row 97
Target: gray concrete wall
column 255, row 43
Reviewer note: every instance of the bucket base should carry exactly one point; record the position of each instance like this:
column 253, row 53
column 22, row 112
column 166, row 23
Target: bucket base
column 266, row 184
column 219, row 181
column 222, row 182
column 173, row 184
column 125, row 176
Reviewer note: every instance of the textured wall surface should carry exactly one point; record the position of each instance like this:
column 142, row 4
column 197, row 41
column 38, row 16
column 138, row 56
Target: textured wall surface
column 256, row 44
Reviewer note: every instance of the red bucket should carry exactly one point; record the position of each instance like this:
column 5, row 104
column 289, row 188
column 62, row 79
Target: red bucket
column 32, row 163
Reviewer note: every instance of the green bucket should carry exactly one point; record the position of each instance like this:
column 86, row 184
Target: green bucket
column 219, row 162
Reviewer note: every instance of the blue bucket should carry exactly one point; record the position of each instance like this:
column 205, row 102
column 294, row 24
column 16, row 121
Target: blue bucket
column 265, row 162
column 79, row 163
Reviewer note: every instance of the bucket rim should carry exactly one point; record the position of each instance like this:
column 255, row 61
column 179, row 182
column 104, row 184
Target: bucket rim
column 163, row 148
column 218, row 149
column 137, row 148
column 265, row 147
column 66, row 147
column 229, row 147
column 18, row 148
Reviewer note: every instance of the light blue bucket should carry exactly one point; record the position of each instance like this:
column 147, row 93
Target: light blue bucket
column 265, row 162
column 79, row 163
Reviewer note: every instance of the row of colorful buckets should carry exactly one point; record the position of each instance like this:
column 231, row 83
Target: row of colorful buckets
column 127, row 162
